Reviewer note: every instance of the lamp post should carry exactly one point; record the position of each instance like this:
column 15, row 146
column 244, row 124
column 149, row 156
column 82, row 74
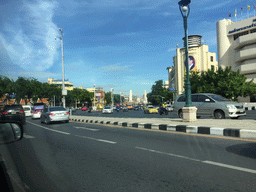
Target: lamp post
column 189, row 112
column 112, row 97
column 184, row 7
column 64, row 91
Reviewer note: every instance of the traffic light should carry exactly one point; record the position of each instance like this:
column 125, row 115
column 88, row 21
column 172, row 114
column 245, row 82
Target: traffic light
column 183, row 3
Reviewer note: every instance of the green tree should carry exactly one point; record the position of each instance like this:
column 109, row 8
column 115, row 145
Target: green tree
column 159, row 93
column 108, row 98
column 227, row 83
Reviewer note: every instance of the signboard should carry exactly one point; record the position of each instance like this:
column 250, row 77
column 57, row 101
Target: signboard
column 172, row 89
column 64, row 92
column 97, row 94
column 12, row 95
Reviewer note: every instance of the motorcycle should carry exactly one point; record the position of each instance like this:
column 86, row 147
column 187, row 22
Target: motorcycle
column 163, row 111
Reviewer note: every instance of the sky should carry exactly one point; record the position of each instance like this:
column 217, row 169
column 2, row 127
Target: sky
column 119, row 44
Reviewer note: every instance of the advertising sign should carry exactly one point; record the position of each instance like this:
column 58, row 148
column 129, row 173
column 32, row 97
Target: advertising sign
column 192, row 63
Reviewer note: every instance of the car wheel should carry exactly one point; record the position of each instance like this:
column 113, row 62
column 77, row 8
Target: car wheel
column 180, row 113
column 219, row 114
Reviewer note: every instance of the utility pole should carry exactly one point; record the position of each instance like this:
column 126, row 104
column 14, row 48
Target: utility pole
column 64, row 91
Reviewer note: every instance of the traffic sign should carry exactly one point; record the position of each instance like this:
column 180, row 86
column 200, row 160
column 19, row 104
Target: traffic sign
column 172, row 89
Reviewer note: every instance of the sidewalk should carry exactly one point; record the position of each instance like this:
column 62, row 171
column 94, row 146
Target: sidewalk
column 244, row 128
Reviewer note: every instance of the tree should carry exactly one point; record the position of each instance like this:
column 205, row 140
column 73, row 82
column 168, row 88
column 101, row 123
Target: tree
column 227, row 83
column 108, row 98
column 159, row 93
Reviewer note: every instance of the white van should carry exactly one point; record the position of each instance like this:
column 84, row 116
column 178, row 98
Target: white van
column 28, row 109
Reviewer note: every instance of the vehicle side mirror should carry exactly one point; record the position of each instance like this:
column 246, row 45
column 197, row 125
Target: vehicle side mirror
column 10, row 132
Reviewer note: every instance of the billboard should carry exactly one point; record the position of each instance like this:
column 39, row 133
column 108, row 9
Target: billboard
column 192, row 63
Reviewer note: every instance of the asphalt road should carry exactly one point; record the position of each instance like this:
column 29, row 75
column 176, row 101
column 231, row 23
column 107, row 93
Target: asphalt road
column 140, row 114
column 90, row 157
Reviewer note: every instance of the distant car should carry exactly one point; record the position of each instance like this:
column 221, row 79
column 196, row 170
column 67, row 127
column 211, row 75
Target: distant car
column 14, row 113
column 136, row 108
column 150, row 109
column 72, row 110
column 85, row 108
column 107, row 109
column 169, row 108
column 57, row 113
column 125, row 109
column 37, row 113
column 28, row 109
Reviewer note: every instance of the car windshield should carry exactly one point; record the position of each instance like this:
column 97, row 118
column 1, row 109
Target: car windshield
column 218, row 98
column 107, row 107
column 57, row 109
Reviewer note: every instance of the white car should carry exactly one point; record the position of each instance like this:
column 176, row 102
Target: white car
column 107, row 109
column 51, row 114
column 169, row 108
column 28, row 109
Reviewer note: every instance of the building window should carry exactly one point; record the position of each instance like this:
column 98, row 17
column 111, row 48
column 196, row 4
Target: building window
column 253, row 31
column 211, row 58
column 240, row 34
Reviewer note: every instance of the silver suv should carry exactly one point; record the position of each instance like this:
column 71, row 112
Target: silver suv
column 209, row 104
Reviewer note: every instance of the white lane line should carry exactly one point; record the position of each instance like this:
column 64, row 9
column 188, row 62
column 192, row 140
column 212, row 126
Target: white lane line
column 174, row 155
column 230, row 166
column 49, row 129
column 28, row 136
column 207, row 162
column 87, row 128
column 101, row 140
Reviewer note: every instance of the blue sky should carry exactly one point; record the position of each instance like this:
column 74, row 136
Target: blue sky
column 119, row 44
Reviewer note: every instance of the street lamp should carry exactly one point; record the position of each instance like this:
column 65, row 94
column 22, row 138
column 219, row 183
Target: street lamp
column 184, row 7
column 189, row 112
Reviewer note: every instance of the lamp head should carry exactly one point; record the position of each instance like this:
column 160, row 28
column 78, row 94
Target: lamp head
column 184, row 3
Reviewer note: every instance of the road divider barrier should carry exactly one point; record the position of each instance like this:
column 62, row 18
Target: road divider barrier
column 239, row 133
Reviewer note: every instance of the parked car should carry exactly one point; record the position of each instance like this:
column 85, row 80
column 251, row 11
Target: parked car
column 85, row 108
column 209, row 104
column 14, row 113
column 136, row 108
column 150, row 109
column 107, row 109
column 51, row 114
column 28, row 109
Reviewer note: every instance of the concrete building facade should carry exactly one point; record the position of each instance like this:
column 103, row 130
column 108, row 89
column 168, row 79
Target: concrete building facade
column 200, row 59
column 237, row 46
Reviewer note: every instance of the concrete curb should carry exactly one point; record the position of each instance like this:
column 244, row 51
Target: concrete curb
column 230, row 132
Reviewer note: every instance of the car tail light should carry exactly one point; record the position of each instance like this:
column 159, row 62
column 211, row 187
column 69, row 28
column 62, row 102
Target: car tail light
column 67, row 113
column 22, row 111
column 51, row 114
column 5, row 112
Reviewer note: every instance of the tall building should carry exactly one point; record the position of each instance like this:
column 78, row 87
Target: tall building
column 200, row 59
column 130, row 96
column 145, row 97
column 237, row 46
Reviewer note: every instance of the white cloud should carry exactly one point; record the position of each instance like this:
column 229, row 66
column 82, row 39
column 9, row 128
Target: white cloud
column 30, row 38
